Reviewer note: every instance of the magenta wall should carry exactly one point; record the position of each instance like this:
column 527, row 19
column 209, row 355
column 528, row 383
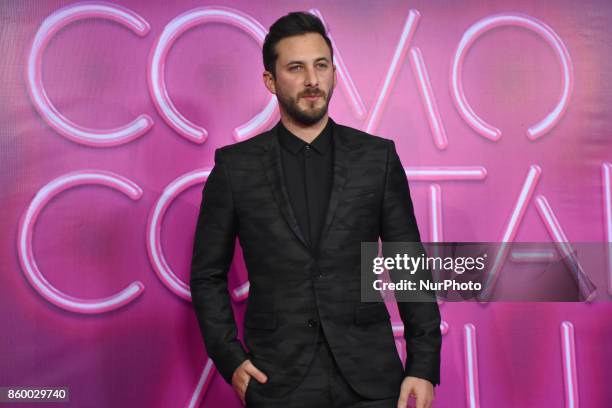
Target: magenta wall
column 108, row 129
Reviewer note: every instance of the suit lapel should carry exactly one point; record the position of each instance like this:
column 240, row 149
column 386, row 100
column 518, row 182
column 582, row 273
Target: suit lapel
column 273, row 168
column 341, row 153
column 271, row 161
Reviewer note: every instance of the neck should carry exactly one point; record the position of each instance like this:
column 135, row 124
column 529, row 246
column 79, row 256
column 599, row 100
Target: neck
column 305, row 132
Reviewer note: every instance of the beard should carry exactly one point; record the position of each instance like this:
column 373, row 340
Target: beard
column 311, row 114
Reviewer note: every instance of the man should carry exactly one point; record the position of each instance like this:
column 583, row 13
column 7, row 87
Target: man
column 301, row 198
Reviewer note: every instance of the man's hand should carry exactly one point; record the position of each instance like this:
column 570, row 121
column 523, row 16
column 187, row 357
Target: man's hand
column 243, row 374
column 422, row 390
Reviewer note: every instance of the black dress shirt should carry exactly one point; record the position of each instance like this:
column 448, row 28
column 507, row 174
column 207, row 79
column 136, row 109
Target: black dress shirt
column 308, row 170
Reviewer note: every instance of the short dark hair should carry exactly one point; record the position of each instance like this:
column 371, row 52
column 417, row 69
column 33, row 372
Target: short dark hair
column 295, row 23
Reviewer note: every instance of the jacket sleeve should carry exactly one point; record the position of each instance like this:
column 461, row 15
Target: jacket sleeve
column 213, row 251
column 421, row 319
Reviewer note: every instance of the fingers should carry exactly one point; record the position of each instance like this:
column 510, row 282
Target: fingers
column 241, row 379
column 243, row 375
column 242, row 393
column 422, row 390
column 255, row 372
column 403, row 398
column 423, row 400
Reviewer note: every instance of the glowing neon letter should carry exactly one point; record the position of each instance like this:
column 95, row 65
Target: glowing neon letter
column 26, row 253
column 64, row 126
column 157, row 61
column 515, row 20
column 154, row 247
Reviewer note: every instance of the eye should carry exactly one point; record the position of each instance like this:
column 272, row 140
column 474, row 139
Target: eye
column 295, row 68
column 322, row 65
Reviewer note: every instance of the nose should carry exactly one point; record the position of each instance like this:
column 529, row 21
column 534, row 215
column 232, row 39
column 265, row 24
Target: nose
column 311, row 79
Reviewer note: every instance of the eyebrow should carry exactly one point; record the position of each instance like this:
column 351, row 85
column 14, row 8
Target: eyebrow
column 301, row 62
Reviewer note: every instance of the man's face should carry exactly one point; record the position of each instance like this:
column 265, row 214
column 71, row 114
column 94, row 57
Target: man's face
column 305, row 77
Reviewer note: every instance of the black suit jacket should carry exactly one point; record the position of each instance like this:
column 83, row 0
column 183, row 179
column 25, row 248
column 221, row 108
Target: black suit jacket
column 292, row 290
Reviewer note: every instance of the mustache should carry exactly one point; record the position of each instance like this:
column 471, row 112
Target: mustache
column 315, row 93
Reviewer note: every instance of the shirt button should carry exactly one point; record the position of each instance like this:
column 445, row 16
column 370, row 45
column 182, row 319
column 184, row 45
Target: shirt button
column 311, row 323
column 308, row 147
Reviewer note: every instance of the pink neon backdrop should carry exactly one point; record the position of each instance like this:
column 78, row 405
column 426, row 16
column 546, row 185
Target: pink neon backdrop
column 91, row 241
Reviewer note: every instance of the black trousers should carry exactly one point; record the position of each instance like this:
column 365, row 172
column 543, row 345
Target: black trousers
column 323, row 386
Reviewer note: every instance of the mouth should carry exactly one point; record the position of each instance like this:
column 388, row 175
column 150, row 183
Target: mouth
column 311, row 97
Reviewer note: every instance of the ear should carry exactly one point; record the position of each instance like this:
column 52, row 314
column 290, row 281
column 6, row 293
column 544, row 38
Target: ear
column 268, row 80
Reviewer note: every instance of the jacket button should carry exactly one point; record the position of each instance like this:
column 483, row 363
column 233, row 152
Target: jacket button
column 311, row 323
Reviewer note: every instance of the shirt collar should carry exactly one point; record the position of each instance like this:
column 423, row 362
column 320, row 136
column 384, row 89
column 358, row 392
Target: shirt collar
column 294, row 144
